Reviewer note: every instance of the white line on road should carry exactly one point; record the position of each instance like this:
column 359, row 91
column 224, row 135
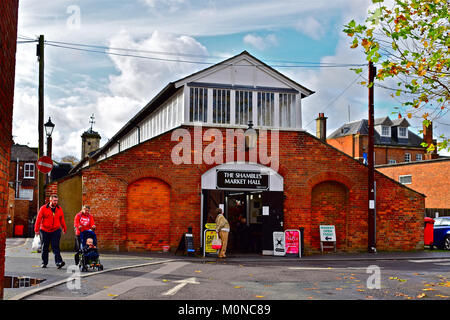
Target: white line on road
column 430, row 260
column 181, row 284
column 327, row 269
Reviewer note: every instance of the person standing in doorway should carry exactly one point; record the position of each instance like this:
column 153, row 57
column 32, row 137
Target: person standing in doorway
column 49, row 223
column 222, row 228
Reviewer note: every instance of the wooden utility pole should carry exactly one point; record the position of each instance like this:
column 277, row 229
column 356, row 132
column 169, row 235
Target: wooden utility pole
column 370, row 161
column 40, row 54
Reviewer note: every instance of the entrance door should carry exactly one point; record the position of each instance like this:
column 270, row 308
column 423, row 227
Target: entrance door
column 272, row 218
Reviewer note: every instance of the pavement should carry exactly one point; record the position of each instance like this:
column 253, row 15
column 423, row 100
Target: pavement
column 20, row 261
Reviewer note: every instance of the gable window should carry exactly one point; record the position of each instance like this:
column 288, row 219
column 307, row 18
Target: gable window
column 28, row 171
column 221, row 106
column 407, row 179
column 287, row 107
column 407, row 157
column 244, row 106
column 402, row 132
column 385, row 131
column 198, row 104
column 419, row 157
column 265, row 109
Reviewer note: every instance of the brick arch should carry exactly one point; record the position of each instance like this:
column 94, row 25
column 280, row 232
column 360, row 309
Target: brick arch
column 330, row 206
column 330, row 176
column 148, row 214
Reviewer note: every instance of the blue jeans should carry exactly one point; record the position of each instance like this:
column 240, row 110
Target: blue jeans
column 51, row 238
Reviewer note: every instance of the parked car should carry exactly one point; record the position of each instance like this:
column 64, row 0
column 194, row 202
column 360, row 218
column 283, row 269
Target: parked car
column 441, row 233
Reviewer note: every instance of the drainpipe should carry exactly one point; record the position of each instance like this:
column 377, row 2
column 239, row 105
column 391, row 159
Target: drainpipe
column 17, row 178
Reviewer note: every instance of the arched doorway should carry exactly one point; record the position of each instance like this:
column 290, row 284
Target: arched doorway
column 148, row 215
column 329, row 206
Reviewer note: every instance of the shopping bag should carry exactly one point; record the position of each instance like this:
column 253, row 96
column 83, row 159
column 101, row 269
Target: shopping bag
column 216, row 244
column 36, row 243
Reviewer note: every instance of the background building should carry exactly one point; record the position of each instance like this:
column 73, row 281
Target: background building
column 393, row 141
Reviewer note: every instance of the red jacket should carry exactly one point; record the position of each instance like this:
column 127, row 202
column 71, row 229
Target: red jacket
column 86, row 221
column 48, row 221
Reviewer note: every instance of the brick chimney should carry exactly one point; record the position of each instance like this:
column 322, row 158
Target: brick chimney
column 321, row 127
column 428, row 139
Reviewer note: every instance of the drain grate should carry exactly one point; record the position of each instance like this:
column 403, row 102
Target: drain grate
column 20, row 282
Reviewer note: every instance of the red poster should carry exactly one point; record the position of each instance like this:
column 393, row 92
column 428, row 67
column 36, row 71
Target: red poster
column 292, row 241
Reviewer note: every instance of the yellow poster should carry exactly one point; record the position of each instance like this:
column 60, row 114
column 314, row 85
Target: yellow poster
column 209, row 237
column 211, row 226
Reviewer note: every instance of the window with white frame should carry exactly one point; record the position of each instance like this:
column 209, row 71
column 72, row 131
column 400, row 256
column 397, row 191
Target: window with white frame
column 392, row 161
column 419, row 157
column 243, row 107
column 406, row 179
column 221, row 106
column 402, row 132
column 287, row 108
column 385, row 131
column 28, row 171
column 265, row 109
column 198, row 104
column 407, row 157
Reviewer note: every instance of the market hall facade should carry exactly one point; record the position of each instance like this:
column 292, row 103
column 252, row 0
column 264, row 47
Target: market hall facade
column 231, row 136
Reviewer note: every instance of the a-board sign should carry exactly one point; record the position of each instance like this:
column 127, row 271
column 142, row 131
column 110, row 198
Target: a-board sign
column 327, row 233
column 209, row 236
column 189, row 240
column 279, row 248
column 292, row 240
column 211, row 226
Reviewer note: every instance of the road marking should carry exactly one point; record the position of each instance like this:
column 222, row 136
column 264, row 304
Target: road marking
column 181, row 284
column 142, row 281
column 443, row 264
column 430, row 260
column 327, row 269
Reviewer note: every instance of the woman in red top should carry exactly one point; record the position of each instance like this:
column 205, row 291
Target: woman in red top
column 83, row 221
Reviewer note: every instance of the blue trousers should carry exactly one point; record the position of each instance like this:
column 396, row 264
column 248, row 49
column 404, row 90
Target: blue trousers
column 51, row 238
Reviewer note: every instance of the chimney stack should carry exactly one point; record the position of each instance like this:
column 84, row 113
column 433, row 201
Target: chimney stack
column 428, row 139
column 321, row 127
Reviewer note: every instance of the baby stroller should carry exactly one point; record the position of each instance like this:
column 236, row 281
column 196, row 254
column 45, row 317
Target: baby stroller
column 88, row 258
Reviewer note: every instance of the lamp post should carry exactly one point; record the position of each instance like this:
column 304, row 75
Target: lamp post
column 49, row 126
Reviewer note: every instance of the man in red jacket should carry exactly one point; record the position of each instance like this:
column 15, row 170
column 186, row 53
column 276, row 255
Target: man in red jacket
column 49, row 222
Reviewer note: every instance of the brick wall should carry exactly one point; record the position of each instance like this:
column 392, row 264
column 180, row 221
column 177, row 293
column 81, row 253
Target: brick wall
column 8, row 26
column 305, row 163
column 428, row 177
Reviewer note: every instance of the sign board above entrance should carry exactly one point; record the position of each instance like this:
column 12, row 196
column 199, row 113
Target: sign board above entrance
column 232, row 179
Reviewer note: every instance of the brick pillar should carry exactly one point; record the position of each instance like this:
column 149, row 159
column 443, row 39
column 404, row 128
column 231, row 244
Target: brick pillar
column 8, row 36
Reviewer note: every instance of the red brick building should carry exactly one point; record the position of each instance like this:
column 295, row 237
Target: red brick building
column 23, row 177
column 393, row 142
column 191, row 149
column 430, row 177
column 8, row 36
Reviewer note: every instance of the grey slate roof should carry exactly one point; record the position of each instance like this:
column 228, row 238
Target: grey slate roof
column 23, row 153
column 362, row 127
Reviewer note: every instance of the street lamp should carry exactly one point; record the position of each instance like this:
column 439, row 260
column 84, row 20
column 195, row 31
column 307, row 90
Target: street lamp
column 251, row 137
column 49, row 126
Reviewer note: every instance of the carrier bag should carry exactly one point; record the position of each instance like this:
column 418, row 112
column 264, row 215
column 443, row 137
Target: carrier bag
column 36, row 243
column 216, row 244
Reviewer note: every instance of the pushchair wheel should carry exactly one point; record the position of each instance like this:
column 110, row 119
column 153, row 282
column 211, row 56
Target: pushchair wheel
column 100, row 267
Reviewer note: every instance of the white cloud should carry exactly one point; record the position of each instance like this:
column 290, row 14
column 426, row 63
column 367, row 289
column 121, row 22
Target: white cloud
column 261, row 43
column 311, row 28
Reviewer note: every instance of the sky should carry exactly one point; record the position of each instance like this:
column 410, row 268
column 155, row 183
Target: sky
column 114, row 88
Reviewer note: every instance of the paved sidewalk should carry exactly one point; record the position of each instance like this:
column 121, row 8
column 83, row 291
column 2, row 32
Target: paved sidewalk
column 20, row 261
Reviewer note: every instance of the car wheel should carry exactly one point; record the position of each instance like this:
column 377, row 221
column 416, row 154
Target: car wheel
column 447, row 243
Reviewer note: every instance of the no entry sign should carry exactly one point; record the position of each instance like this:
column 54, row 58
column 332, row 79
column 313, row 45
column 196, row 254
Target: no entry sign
column 45, row 164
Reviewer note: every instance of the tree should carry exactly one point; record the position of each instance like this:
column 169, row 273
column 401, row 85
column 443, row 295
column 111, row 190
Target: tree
column 70, row 159
column 409, row 42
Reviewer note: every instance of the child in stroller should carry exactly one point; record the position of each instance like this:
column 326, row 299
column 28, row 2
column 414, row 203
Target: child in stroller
column 87, row 256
